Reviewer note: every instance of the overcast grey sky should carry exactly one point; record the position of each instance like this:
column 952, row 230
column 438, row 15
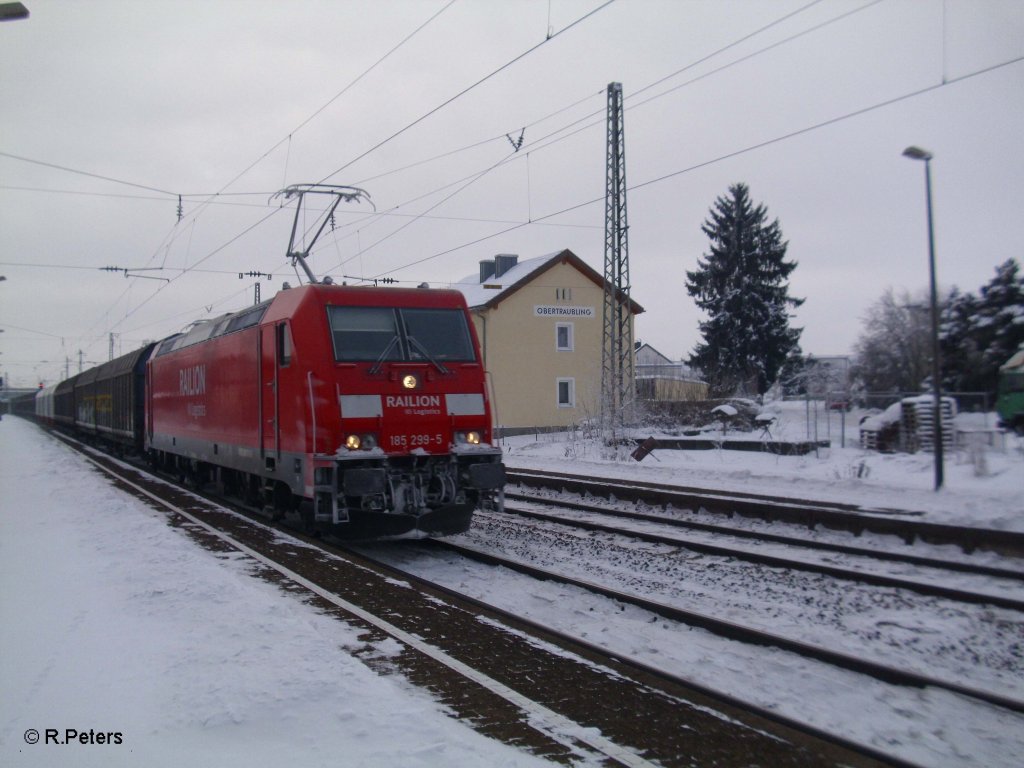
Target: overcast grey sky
column 809, row 103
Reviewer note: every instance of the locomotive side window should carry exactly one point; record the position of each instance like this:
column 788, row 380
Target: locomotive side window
column 284, row 345
column 440, row 334
column 245, row 320
column 167, row 345
column 213, row 328
column 364, row 333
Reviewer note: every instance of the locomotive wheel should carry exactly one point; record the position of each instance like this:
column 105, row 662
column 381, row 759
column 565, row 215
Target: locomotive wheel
column 308, row 525
column 252, row 495
column 281, row 500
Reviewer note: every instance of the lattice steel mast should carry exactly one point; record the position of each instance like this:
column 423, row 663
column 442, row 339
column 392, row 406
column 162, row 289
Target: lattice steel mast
column 617, row 373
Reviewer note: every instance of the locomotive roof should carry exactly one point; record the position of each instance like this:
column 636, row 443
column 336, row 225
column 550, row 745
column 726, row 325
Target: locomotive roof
column 287, row 301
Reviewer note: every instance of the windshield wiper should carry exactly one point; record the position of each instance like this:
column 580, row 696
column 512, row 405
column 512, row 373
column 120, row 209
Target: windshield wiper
column 423, row 351
column 375, row 368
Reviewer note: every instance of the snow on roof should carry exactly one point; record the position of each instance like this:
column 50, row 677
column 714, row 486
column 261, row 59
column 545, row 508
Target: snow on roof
column 652, row 352
column 475, row 293
column 1017, row 361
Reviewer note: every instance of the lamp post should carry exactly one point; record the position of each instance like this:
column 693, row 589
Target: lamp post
column 916, row 153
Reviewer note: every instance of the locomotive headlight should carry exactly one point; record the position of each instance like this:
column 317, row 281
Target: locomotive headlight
column 469, row 438
column 410, row 382
column 365, row 442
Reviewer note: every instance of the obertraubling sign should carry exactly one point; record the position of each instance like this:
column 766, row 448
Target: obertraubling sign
column 562, row 311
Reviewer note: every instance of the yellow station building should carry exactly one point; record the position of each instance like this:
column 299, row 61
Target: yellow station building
column 540, row 327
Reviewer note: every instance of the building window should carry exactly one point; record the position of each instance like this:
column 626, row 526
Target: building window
column 566, row 393
column 563, row 294
column 563, row 337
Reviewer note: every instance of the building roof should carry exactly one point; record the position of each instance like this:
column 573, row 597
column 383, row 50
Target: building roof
column 663, row 360
column 524, row 272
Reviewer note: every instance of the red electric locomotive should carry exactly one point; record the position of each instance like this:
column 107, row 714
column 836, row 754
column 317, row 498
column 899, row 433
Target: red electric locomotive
column 365, row 409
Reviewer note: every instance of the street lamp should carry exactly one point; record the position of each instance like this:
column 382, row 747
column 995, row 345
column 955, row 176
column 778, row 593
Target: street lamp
column 916, row 153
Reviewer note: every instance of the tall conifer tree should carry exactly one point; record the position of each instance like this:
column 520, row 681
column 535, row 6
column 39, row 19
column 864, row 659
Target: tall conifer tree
column 742, row 287
column 979, row 334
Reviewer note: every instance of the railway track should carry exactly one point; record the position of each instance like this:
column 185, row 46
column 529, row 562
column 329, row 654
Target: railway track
column 1011, row 594
column 884, row 678
column 809, row 514
column 990, row 586
column 734, row 631
column 553, row 694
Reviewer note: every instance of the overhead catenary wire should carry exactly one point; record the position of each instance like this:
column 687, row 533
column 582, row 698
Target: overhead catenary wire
column 600, row 93
column 540, row 220
column 742, row 59
column 395, row 135
column 598, row 114
column 467, row 89
column 795, row 36
column 166, row 244
column 213, row 196
column 412, row 221
column 336, row 96
column 79, row 172
column 171, row 236
column 544, row 220
column 947, row 82
column 217, row 197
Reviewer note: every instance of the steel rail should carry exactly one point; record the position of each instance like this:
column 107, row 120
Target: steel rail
column 848, row 517
column 616, row 659
column 541, row 718
column 569, row 641
column 775, row 561
column 776, row 538
column 733, row 631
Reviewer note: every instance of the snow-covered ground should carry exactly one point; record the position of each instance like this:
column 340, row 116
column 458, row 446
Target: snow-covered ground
column 927, row 727
column 984, row 485
column 113, row 622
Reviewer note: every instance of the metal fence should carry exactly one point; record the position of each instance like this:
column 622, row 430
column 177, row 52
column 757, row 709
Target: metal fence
column 966, row 402
column 836, row 416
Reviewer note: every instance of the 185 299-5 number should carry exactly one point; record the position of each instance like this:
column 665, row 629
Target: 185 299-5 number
column 417, row 441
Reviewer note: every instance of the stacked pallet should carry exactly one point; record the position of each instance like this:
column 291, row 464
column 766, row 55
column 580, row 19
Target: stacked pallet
column 881, row 431
column 917, row 423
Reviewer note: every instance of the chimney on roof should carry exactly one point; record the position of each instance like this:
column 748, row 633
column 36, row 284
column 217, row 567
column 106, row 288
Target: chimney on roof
column 487, row 267
column 503, row 262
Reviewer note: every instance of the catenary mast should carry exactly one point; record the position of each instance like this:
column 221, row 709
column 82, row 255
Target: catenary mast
column 617, row 372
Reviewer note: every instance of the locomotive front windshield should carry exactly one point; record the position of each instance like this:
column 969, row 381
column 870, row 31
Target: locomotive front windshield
column 382, row 334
